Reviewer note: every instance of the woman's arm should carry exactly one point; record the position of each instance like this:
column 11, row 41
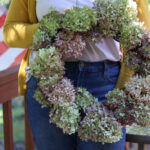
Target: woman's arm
column 17, row 28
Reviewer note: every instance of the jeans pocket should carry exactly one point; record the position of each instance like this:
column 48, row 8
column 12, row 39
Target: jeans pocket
column 111, row 73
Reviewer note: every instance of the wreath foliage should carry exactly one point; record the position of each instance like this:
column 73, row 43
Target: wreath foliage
column 77, row 110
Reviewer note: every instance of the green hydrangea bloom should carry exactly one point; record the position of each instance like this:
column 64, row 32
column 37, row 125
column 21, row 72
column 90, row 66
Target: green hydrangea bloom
column 133, row 60
column 142, row 111
column 138, row 59
column 61, row 92
column 132, row 35
column 115, row 99
column 99, row 125
column 113, row 14
column 41, row 39
column 52, row 21
column 133, row 104
column 38, row 95
column 84, row 99
column 79, row 19
column 138, row 86
column 117, row 102
column 65, row 117
column 70, row 44
column 47, row 67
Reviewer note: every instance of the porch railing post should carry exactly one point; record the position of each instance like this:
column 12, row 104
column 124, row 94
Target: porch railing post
column 8, row 127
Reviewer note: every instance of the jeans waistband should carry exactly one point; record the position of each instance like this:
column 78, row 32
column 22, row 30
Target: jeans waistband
column 91, row 66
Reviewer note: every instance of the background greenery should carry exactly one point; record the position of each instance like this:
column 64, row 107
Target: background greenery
column 5, row 3
column 149, row 5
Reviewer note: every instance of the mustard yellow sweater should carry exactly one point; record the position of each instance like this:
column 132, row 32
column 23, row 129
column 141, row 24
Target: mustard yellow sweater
column 21, row 23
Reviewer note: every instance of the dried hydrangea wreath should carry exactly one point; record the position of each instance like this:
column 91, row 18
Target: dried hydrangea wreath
column 76, row 110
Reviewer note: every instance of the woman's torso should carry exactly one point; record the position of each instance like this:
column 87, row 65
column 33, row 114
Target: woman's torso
column 106, row 49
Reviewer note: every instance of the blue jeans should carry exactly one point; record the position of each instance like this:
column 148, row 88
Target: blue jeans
column 96, row 77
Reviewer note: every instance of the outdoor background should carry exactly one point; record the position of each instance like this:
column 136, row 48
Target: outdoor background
column 18, row 114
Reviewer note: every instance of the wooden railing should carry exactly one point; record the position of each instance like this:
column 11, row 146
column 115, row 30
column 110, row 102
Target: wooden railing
column 140, row 139
column 9, row 90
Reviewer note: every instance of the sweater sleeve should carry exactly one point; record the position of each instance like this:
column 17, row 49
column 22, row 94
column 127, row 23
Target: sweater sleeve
column 143, row 13
column 18, row 32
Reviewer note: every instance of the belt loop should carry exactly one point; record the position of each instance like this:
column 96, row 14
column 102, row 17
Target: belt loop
column 81, row 65
column 106, row 68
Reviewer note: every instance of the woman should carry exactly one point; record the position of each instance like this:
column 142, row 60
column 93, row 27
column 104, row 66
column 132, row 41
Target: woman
column 97, row 70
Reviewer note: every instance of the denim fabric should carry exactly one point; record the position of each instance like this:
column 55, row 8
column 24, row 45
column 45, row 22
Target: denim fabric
column 96, row 77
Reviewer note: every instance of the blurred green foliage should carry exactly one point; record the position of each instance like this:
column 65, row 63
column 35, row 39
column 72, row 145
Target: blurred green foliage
column 5, row 3
column 149, row 5
column 138, row 130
